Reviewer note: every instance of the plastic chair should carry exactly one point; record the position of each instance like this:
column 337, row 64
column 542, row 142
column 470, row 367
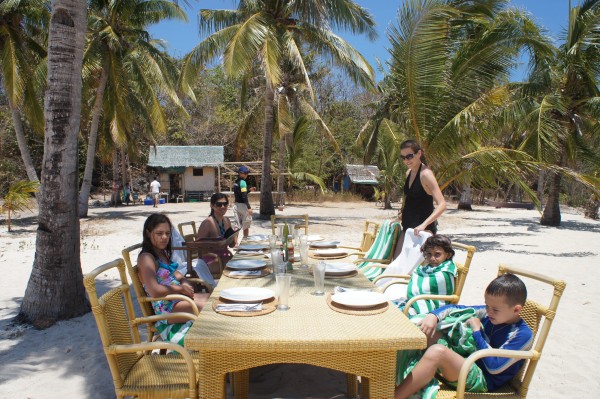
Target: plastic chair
column 290, row 219
column 459, row 283
column 135, row 370
column 539, row 318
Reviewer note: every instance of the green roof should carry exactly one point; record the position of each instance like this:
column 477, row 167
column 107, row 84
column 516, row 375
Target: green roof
column 195, row 156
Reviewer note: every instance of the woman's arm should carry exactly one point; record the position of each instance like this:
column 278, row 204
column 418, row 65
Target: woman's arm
column 147, row 270
column 431, row 187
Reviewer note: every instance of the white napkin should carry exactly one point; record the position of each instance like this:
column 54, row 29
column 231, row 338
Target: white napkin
column 339, row 288
column 239, row 307
column 245, row 273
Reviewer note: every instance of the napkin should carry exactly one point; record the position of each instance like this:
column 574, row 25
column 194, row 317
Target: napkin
column 245, row 273
column 239, row 307
column 339, row 288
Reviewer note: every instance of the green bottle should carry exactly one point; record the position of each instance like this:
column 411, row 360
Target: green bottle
column 288, row 261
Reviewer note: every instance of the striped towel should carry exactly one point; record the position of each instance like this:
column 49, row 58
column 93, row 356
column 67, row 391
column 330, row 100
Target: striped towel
column 381, row 249
column 173, row 332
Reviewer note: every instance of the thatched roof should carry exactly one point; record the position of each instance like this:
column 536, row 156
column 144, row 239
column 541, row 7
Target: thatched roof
column 195, row 156
column 363, row 174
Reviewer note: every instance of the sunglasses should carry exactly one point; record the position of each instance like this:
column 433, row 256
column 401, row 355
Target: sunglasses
column 407, row 157
column 221, row 204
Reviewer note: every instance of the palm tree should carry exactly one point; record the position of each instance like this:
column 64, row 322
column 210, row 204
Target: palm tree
column 55, row 289
column 18, row 198
column 295, row 152
column 448, row 62
column 562, row 121
column 22, row 42
column 269, row 34
column 128, row 71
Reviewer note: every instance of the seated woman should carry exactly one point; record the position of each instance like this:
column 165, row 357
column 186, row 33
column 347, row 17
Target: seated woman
column 437, row 277
column 159, row 275
column 216, row 225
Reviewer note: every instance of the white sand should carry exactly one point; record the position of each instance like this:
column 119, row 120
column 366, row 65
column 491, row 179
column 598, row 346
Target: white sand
column 66, row 360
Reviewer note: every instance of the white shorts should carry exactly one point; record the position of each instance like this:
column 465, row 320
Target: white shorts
column 243, row 219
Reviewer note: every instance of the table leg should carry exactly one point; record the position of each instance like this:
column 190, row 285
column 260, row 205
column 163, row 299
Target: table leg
column 241, row 381
column 352, row 385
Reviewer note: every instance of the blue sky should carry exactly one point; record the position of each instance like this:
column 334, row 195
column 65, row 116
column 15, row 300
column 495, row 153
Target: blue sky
column 182, row 37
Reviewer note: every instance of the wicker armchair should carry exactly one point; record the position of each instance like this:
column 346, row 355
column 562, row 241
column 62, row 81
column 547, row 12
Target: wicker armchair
column 135, row 370
column 368, row 238
column 301, row 221
column 189, row 236
column 462, row 272
column 539, row 318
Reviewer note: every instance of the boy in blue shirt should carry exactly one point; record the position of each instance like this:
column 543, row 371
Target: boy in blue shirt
column 498, row 325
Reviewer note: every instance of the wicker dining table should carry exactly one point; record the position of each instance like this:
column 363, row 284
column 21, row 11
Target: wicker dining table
column 310, row 332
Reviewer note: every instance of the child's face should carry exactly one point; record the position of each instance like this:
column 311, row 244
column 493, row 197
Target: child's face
column 499, row 311
column 436, row 256
column 160, row 236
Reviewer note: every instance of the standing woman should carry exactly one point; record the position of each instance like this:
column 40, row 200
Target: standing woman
column 421, row 189
column 159, row 275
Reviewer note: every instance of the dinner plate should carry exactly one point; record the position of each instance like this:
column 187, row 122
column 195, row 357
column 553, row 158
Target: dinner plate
column 253, row 247
column 258, row 237
column 247, row 294
column 359, row 299
column 331, row 252
column 246, row 264
column 324, row 244
column 339, row 268
column 313, row 237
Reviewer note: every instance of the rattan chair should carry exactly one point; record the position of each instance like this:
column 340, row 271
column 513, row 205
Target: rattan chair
column 368, row 237
column 189, row 236
column 539, row 318
column 301, row 221
column 146, row 301
column 462, row 272
column 135, row 370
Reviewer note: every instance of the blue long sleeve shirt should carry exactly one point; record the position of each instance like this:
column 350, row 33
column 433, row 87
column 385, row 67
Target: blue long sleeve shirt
column 517, row 336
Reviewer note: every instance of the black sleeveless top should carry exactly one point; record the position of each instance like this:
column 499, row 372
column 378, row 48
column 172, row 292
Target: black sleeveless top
column 418, row 205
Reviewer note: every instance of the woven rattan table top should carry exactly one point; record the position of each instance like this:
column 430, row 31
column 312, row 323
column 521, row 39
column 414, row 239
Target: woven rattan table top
column 308, row 326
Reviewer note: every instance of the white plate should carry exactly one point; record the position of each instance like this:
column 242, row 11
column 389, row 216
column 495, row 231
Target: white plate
column 246, row 264
column 313, row 237
column 324, row 244
column 253, row 247
column 247, row 294
column 359, row 299
column 331, row 252
column 258, row 237
column 339, row 268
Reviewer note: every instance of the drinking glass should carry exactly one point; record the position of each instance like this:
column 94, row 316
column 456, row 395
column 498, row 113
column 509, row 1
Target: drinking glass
column 303, row 239
column 283, row 282
column 280, row 232
column 277, row 260
column 319, row 276
column 273, row 241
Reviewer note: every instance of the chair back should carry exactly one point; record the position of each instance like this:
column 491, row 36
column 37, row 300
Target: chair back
column 382, row 250
column 462, row 268
column 185, row 231
column 301, row 221
column 539, row 318
column 140, row 293
column 368, row 237
column 114, row 316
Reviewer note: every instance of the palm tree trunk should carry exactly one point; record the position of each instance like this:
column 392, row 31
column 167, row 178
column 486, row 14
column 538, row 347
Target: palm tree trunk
column 281, row 169
column 551, row 215
column 22, row 142
column 124, row 172
column 466, row 198
column 86, row 185
column 591, row 207
column 114, row 199
column 266, row 190
column 55, row 289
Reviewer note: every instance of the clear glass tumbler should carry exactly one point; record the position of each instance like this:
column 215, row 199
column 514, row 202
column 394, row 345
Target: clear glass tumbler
column 318, row 271
column 283, row 282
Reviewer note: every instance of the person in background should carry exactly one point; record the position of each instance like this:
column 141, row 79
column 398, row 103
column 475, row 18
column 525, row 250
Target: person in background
column 421, row 189
column 155, row 191
column 217, row 225
column 242, row 209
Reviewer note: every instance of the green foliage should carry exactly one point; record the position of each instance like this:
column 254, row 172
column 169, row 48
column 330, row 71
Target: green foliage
column 18, row 198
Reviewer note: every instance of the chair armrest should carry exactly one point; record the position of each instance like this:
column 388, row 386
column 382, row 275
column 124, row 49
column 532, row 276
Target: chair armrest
column 381, row 263
column 174, row 297
column 464, row 370
column 348, row 247
column 161, row 345
column 164, row 316
column 398, row 276
column 198, row 280
column 449, row 298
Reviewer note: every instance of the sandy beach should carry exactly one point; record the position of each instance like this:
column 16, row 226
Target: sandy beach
column 67, row 360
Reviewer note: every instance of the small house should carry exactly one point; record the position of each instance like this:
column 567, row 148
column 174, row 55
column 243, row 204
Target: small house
column 186, row 172
column 361, row 179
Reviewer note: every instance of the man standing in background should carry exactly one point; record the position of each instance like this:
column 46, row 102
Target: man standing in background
column 242, row 209
column 155, row 190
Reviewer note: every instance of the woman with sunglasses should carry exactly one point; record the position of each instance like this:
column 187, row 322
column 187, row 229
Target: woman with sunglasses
column 421, row 189
column 216, row 225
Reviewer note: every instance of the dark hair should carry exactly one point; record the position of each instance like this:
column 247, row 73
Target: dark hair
column 441, row 241
column 149, row 225
column 413, row 145
column 509, row 286
column 213, row 200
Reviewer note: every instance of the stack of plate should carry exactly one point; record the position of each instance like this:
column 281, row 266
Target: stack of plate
column 253, row 247
column 359, row 299
column 247, row 294
column 339, row 269
column 258, row 237
column 333, row 252
column 246, row 264
column 324, row 244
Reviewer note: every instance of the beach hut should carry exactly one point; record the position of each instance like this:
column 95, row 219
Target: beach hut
column 186, row 172
column 361, row 179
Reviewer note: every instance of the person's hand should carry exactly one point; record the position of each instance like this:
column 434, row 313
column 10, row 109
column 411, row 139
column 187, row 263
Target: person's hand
column 252, row 189
column 474, row 323
column 187, row 289
column 428, row 324
column 249, row 211
column 418, row 229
